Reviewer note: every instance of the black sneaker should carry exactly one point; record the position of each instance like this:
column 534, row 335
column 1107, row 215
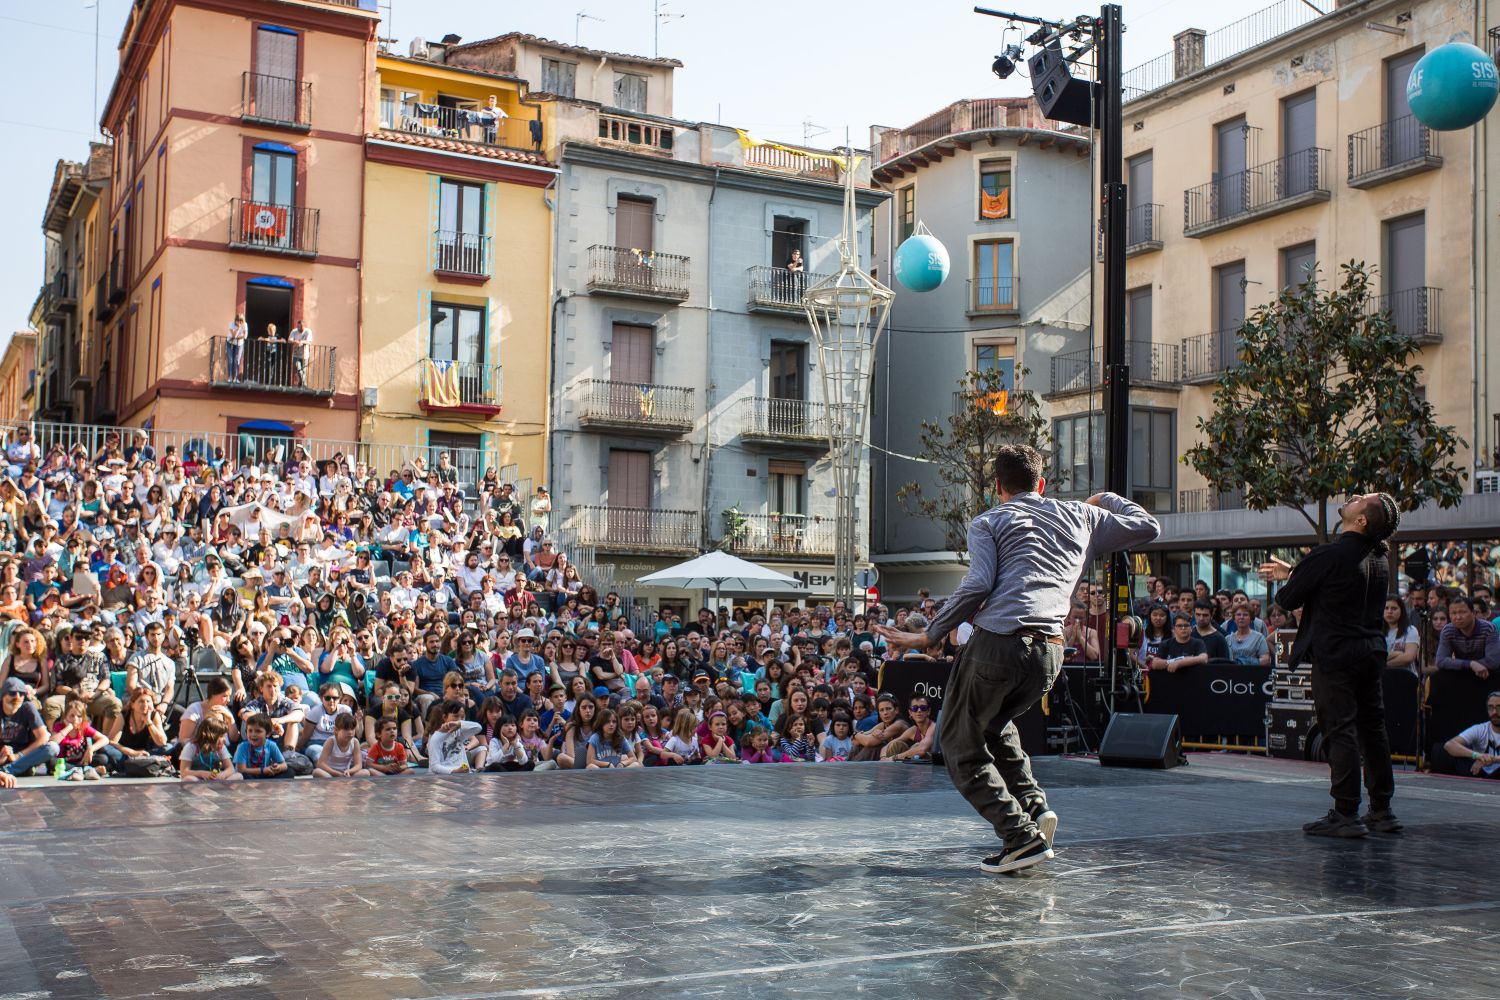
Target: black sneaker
column 1046, row 824
column 1381, row 821
column 1335, row 824
column 1033, row 852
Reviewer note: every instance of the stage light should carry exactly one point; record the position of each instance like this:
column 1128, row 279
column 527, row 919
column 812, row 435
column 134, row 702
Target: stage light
column 1005, row 63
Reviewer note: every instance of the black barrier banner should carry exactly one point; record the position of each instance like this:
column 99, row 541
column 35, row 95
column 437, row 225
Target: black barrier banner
column 904, row 678
column 1455, row 701
column 1226, row 699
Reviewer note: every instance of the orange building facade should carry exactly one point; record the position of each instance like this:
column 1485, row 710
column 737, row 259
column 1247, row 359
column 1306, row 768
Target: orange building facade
column 236, row 190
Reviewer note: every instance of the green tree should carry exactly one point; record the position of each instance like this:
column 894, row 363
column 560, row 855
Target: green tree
column 963, row 448
column 1322, row 403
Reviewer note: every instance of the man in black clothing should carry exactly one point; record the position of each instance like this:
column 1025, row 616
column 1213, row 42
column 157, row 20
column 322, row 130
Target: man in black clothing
column 1341, row 589
column 1204, row 628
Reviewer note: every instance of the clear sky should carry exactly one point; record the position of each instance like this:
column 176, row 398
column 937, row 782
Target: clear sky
column 768, row 67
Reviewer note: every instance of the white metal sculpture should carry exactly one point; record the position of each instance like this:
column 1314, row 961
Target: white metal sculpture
column 848, row 312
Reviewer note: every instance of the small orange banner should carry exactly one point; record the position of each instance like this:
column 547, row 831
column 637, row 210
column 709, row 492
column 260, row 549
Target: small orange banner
column 994, row 206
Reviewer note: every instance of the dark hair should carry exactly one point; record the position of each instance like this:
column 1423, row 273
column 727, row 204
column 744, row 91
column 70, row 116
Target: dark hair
column 1405, row 619
column 452, row 708
column 259, row 720
column 217, row 686
column 1018, row 468
column 1463, row 599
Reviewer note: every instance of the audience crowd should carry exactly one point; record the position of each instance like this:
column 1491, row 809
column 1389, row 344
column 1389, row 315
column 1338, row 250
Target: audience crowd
column 228, row 620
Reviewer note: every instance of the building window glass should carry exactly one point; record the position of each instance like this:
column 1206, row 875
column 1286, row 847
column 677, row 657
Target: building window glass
column 994, row 190
column 787, row 488
column 457, row 333
column 994, row 275
column 906, row 213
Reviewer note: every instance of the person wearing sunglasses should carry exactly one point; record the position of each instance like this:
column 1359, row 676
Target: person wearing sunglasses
column 916, row 742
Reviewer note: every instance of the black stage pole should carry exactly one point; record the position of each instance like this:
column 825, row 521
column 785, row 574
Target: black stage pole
column 1116, row 359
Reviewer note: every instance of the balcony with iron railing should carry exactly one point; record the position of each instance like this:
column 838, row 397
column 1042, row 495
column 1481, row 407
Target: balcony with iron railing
column 644, row 274
column 663, row 410
column 473, row 124
column 276, row 100
column 995, row 295
column 1205, row 500
column 278, row 367
column 1258, row 192
column 1414, row 312
column 1152, row 366
column 775, row 289
column 291, row 230
column 1390, row 150
column 461, row 256
column 788, row 536
column 59, row 294
column 109, row 292
column 784, row 423
column 463, row 386
column 1208, row 355
column 1143, row 229
column 635, row 529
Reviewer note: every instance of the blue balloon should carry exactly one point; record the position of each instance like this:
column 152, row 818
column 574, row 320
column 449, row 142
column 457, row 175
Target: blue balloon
column 1453, row 86
column 921, row 263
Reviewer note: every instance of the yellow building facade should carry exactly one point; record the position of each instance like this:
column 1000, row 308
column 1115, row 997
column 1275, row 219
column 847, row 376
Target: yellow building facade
column 456, row 273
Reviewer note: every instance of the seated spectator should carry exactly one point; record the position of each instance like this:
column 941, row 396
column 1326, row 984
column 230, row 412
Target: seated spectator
column 1468, row 642
column 915, row 742
column 1080, row 636
column 757, row 747
column 681, row 746
column 608, row 747
column 258, row 756
column 1182, row 650
column 888, row 724
column 321, row 721
column 206, row 756
column 794, row 745
column 452, row 745
column 1476, row 750
column 342, row 756
column 283, row 716
column 1247, row 646
column 24, row 740
column 717, row 746
column 79, row 744
column 387, row 754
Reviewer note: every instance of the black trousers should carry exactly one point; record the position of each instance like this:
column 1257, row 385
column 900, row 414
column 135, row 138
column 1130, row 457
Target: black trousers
column 996, row 679
column 1347, row 696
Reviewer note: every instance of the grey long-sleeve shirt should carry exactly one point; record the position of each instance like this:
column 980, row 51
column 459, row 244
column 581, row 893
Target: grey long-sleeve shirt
column 1026, row 556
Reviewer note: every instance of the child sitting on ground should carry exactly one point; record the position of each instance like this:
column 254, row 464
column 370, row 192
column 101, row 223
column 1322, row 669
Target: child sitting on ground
column 206, row 756
column 536, row 746
column 450, row 745
column 717, row 747
column 388, row 754
column 506, row 751
column 79, row 744
column 342, row 756
column 607, row 747
column 257, row 756
column 838, row 742
column 794, row 746
column 758, row 746
column 682, row 746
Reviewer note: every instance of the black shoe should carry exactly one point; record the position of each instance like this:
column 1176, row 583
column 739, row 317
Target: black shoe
column 1381, row 821
column 1033, row 852
column 1335, row 824
column 1046, row 824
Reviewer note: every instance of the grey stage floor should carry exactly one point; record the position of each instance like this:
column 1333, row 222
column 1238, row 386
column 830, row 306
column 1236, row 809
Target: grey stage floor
column 757, row 881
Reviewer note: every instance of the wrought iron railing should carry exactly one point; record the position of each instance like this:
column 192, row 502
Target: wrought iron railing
column 1390, row 146
column 1143, row 226
column 635, row 529
column 1203, row 500
column 461, row 253
column 665, row 407
column 780, row 535
column 273, row 366
column 477, row 125
column 264, row 226
column 769, row 418
column 777, row 287
column 1206, row 355
column 451, row 384
column 1413, row 311
column 994, row 294
column 639, row 272
column 1149, row 362
column 1255, row 191
column 276, row 99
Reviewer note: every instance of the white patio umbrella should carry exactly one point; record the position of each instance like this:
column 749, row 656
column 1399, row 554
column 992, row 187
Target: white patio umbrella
column 720, row 571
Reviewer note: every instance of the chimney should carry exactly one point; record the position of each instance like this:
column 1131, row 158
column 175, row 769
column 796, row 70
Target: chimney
column 1187, row 52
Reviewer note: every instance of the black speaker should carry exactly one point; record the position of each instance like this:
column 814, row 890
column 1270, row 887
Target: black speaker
column 1061, row 97
column 1142, row 740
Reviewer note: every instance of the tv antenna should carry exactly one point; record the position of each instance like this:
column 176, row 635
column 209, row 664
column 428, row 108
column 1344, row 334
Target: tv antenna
column 811, row 131
column 578, row 20
column 661, row 16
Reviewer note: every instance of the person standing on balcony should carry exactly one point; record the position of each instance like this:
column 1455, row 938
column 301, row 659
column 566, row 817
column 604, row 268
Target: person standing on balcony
column 796, row 275
column 270, row 357
column 300, row 338
column 234, row 348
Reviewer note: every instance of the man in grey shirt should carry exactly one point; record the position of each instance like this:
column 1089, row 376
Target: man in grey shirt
column 1026, row 556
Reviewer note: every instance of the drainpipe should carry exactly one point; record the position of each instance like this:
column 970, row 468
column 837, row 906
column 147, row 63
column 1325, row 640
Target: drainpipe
column 560, row 297
column 708, row 368
column 1479, row 300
